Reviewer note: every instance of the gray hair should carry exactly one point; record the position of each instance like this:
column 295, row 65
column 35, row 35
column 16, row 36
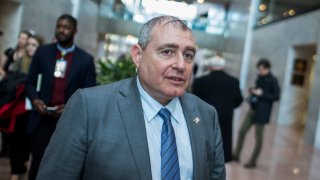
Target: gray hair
column 145, row 32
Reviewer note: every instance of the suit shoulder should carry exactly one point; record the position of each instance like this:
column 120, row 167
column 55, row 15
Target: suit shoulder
column 46, row 47
column 198, row 102
column 200, row 80
column 83, row 53
column 233, row 78
column 105, row 90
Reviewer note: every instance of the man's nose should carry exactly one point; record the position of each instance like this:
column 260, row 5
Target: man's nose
column 60, row 29
column 180, row 62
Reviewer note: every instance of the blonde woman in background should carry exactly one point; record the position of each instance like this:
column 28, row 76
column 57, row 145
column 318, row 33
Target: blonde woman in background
column 32, row 44
column 19, row 143
column 10, row 56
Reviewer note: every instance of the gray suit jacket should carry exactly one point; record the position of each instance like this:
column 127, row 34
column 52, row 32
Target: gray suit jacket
column 101, row 135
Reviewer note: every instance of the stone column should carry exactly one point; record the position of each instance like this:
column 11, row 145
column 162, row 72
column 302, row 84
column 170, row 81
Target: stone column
column 248, row 43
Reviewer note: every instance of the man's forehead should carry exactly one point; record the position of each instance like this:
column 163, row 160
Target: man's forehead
column 171, row 27
column 173, row 23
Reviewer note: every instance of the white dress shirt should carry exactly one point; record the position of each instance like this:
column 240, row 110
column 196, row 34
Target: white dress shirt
column 153, row 123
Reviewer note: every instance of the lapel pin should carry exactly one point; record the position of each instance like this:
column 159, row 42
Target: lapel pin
column 196, row 120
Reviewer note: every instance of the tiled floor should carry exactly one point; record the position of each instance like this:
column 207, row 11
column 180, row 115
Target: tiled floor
column 284, row 157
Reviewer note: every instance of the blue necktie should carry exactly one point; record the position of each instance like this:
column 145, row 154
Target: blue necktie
column 169, row 155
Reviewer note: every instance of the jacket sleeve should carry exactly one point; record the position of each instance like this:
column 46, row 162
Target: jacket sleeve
column 217, row 171
column 32, row 76
column 274, row 95
column 65, row 155
column 239, row 97
column 90, row 77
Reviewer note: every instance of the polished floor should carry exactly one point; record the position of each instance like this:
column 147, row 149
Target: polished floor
column 285, row 156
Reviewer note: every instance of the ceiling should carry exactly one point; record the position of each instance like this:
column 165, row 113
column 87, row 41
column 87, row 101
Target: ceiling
column 306, row 3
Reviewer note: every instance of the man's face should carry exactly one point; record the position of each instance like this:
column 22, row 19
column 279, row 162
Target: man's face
column 262, row 70
column 165, row 65
column 65, row 31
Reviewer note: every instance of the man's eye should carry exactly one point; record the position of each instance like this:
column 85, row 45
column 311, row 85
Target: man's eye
column 189, row 56
column 167, row 52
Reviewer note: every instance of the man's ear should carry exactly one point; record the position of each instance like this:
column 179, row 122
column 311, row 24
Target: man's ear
column 136, row 54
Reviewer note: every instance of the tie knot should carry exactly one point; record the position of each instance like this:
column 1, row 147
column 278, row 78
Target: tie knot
column 164, row 113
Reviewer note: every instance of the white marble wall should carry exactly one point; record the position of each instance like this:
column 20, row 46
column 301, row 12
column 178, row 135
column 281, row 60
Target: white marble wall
column 87, row 36
column 41, row 16
column 276, row 42
column 235, row 36
column 10, row 20
column 233, row 49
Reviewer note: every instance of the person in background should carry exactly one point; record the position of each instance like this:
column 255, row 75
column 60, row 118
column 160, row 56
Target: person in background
column 145, row 127
column 19, row 139
column 222, row 91
column 13, row 56
column 262, row 96
column 33, row 42
column 11, row 64
column 57, row 70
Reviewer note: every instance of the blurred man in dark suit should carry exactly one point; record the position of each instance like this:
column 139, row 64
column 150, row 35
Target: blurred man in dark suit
column 223, row 92
column 63, row 68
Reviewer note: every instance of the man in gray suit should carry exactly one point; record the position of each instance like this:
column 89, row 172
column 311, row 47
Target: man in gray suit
column 146, row 127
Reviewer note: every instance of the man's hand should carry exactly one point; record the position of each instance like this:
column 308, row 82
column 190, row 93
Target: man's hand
column 39, row 105
column 57, row 112
column 257, row 92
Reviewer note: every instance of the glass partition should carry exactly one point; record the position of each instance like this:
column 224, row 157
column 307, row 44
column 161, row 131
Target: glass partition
column 270, row 11
column 200, row 15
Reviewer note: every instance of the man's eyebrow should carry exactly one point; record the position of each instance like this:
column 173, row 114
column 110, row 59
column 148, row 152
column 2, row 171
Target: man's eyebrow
column 190, row 48
column 168, row 45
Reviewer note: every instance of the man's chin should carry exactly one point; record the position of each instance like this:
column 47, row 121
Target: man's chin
column 61, row 41
column 176, row 93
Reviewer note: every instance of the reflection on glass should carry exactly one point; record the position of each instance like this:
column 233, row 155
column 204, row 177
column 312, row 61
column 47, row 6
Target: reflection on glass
column 200, row 15
column 275, row 10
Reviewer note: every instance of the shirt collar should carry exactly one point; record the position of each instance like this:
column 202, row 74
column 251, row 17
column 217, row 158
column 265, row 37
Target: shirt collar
column 151, row 107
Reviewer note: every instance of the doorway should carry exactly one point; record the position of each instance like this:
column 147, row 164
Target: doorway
column 299, row 79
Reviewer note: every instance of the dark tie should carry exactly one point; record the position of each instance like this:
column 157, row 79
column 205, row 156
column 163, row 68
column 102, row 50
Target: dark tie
column 169, row 155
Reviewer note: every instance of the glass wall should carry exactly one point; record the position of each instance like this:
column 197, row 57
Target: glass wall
column 270, row 11
column 200, row 15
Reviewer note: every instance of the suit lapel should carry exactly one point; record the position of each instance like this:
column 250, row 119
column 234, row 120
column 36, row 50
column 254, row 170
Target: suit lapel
column 196, row 135
column 132, row 116
column 75, row 62
column 52, row 58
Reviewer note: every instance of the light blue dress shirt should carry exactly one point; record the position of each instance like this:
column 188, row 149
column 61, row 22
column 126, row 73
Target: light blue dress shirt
column 153, row 123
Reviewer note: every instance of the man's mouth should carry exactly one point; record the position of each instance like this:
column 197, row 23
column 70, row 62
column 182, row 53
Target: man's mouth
column 61, row 36
column 176, row 79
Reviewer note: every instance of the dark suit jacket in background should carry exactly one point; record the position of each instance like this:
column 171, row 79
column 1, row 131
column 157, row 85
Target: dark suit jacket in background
column 271, row 92
column 101, row 135
column 223, row 92
column 82, row 74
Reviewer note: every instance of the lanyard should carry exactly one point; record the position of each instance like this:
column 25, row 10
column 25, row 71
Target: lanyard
column 65, row 51
column 61, row 64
